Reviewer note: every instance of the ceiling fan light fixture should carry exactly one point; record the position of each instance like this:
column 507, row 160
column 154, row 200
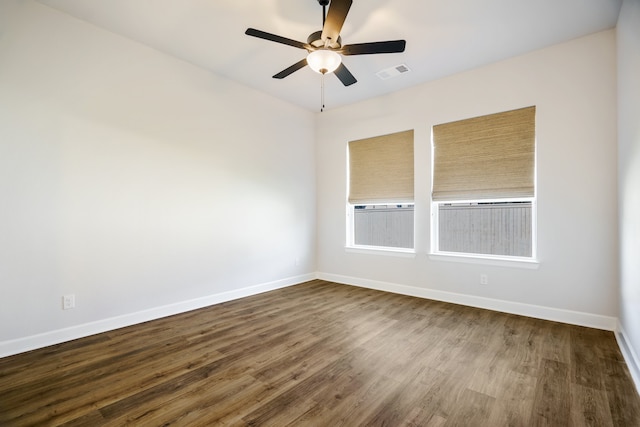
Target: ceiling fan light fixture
column 324, row 61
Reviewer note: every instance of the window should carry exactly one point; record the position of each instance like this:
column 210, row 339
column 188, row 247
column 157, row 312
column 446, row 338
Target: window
column 483, row 192
column 380, row 201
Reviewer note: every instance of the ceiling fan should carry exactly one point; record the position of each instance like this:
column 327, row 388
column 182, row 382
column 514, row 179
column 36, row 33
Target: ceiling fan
column 325, row 47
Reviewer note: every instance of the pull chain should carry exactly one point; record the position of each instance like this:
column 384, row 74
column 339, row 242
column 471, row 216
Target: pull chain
column 322, row 93
column 324, row 14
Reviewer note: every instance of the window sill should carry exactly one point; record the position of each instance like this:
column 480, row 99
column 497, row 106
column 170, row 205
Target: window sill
column 377, row 250
column 486, row 260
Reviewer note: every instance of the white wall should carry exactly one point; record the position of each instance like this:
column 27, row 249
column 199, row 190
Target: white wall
column 135, row 180
column 628, row 32
column 573, row 86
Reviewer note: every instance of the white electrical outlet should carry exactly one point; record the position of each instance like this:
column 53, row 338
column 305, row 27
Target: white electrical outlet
column 484, row 279
column 68, row 301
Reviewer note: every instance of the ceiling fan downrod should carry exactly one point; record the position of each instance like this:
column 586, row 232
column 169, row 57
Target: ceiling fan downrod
column 324, row 4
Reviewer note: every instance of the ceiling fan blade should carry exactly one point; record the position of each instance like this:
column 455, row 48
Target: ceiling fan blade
column 392, row 46
column 295, row 67
column 274, row 38
column 344, row 75
column 338, row 10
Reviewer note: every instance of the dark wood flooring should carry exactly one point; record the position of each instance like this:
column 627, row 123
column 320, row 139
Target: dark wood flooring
column 323, row 354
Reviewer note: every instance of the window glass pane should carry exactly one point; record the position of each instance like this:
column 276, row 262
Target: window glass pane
column 383, row 225
column 502, row 228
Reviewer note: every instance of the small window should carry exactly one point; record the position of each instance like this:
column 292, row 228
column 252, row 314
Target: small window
column 380, row 200
column 484, row 186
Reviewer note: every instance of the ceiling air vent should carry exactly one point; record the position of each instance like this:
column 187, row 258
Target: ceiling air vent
column 393, row 71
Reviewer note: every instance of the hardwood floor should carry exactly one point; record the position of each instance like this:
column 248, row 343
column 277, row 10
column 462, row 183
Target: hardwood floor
column 322, row 354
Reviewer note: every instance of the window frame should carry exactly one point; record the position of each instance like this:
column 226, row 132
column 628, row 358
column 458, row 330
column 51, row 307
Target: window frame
column 435, row 253
column 350, row 205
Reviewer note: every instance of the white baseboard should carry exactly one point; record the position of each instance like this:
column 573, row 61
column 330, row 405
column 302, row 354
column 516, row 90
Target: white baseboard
column 20, row 345
column 539, row 312
column 630, row 356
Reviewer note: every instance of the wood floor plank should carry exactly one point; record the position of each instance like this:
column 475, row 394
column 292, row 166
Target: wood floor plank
column 324, row 354
column 400, row 405
column 193, row 402
column 160, row 392
column 557, row 342
column 586, row 365
column 589, row 407
column 514, row 399
column 621, row 394
column 62, row 356
column 522, row 340
column 298, row 396
column 475, row 409
column 76, row 394
column 552, row 401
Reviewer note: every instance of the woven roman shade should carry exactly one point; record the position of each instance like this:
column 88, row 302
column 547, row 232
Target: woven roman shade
column 485, row 157
column 381, row 169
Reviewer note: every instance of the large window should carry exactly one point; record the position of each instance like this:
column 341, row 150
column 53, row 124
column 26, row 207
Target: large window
column 380, row 201
column 484, row 186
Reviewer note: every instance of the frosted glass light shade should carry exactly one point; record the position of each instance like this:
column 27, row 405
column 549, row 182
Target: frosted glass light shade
column 323, row 61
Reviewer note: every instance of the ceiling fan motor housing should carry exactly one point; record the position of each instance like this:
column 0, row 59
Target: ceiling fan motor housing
column 315, row 40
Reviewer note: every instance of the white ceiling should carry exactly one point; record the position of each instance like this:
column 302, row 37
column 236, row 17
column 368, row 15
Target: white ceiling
column 443, row 36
